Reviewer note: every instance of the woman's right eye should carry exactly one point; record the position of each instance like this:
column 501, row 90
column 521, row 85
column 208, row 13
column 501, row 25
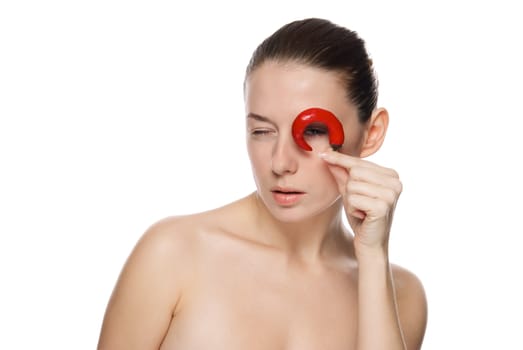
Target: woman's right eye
column 260, row 132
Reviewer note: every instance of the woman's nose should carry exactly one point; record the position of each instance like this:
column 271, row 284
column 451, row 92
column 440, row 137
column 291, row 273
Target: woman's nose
column 285, row 156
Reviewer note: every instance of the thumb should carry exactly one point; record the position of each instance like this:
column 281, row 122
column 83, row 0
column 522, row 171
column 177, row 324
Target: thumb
column 341, row 175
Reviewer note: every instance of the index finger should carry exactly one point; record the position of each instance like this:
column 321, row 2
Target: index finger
column 340, row 159
column 348, row 162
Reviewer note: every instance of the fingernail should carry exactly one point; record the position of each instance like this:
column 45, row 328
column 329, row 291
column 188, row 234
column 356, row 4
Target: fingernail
column 323, row 155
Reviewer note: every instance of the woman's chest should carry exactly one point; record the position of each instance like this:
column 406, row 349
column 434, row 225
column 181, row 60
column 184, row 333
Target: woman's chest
column 249, row 308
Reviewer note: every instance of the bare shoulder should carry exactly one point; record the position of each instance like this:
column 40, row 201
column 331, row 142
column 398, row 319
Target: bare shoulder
column 405, row 280
column 150, row 286
column 159, row 272
column 412, row 305
column 171, row 237
column 166, row 246
column 178, row 238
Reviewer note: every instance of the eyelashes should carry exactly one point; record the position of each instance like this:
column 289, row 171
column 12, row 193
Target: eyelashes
column 315, row 130
column 261, row 132
column 312, row 130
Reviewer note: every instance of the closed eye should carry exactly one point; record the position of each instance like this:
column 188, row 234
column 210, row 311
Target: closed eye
column 261, row 132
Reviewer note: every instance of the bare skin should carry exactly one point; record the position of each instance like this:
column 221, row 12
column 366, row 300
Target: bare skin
column 262, row 274
column 212, row 286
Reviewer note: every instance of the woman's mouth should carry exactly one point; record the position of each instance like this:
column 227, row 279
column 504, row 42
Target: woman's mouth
column 286, row 197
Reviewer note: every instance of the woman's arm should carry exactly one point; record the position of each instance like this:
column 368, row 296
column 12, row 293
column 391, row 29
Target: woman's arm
column 144, row 300
column 391, row 310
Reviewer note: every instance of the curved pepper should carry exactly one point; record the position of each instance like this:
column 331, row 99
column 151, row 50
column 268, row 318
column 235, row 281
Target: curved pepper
column 317, row 115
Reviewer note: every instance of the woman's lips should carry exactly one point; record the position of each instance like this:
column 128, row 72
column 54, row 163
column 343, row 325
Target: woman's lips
column 286, row 197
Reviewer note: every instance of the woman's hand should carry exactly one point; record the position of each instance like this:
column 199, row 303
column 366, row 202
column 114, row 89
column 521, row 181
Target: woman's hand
column 370, row 193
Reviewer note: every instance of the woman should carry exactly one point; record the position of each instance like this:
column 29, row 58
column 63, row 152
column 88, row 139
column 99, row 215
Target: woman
column 278, row 269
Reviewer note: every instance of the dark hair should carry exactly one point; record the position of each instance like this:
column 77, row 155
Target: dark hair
column 323, row 44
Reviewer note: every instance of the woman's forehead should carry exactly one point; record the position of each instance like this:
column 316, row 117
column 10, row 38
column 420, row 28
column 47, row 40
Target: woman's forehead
column 291, row 71
column 287, row 88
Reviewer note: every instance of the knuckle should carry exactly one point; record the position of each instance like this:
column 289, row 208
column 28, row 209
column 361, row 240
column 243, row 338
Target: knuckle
column 382, row 207
column 394, row 173
column 399, row 187
column 391, row 195
column 355, row 172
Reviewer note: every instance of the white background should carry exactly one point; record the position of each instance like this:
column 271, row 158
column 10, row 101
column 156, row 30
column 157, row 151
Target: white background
column 115, row 114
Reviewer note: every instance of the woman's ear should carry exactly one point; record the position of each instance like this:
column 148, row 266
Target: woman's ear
column 375, row 132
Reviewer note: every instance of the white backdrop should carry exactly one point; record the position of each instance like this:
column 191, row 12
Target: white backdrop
column 102, row 108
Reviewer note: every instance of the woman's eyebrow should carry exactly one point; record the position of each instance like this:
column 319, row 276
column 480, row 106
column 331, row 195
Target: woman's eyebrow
column 259, row 118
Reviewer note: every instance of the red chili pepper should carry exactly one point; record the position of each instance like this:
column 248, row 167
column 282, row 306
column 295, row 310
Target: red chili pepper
column 318, row 115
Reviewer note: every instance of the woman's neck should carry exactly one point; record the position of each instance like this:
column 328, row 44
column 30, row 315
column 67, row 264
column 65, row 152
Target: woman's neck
column 319, row 237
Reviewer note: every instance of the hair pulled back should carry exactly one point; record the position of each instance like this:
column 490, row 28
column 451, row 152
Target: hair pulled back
column 323, row 44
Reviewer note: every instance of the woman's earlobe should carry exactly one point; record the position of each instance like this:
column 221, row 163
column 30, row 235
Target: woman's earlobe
column 375, row 133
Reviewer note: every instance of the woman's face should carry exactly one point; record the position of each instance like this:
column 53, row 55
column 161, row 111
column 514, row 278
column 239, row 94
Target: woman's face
column 293, row 183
